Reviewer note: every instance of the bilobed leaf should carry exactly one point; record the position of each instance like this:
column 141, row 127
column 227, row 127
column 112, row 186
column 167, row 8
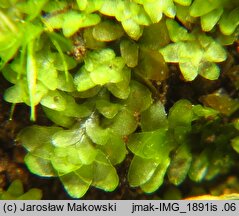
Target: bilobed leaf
column 35, row 136
column 158, row 177
column 97, row 134
column 151, row 144
column 85, row 150
column 67, row 137
column 124, row 123
column 154, row 117
column 75, row 186
column 39, row 166
column 105, row 176
column 107, row 109
column 141, row 170
column 115, row 149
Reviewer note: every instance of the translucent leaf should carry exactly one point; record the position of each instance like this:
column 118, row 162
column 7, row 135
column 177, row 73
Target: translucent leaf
column 85, row 150
column 132, row 29
column 208, row 21
column 107, row 31
column 180, row 114
column 158, row 177
column 44, row 151
column 189, row 70
column 59, row 65
column 54, row 100
column 67, row 137
column 123, row 123
column 75, row 186
column 129, row 52
column 39, row 166
column 62, row 164
column 180, row 164
column 15, row 94
column 201, row 7
column 58, row 117
column 105, row 175
column 107, row 109
column 154, row 117
column 139, row 98
column 97, row 134
column 141, row 170
column 73, row 21
column 115, row 149
column 46, row 71
column 199, row 167
column 35, row 136
column 209, row 70
column 83, row 80
column 149, row 144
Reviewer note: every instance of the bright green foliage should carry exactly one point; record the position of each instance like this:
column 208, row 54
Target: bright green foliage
column 164, row 135
column 196, row 53
column 75, row 155
column 99, row 70
column 16, row 192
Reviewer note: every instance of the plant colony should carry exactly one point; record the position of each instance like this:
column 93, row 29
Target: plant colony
column 96, row 67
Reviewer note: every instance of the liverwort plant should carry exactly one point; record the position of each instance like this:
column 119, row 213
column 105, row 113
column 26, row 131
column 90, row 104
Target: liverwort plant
column 100, row 71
